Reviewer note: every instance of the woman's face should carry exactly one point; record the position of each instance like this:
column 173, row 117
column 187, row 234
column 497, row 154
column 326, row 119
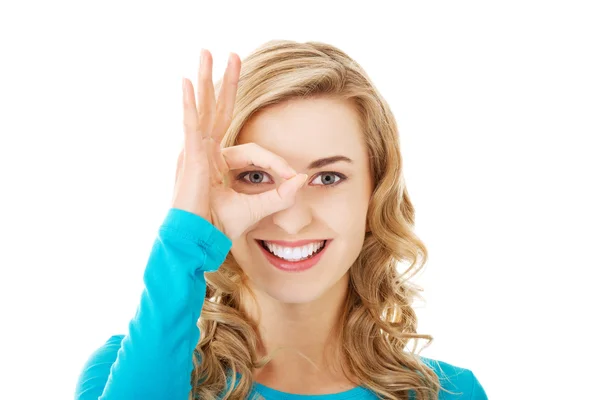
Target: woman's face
column 332, row 204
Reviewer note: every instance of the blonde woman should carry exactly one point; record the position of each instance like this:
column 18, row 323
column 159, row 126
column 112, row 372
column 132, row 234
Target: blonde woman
column 282, row 269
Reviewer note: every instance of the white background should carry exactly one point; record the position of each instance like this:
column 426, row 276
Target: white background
column 498, row 107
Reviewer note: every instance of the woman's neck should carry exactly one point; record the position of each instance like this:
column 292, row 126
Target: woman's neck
column 302, row 340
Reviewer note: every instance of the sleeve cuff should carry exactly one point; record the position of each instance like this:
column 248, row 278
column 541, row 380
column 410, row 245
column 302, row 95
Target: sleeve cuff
column 197, row 229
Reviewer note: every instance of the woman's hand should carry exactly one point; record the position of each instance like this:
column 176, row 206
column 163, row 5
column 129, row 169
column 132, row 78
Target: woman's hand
column 203, row 164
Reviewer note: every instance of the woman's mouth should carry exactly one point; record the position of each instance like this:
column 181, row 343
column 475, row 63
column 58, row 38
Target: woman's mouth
column 293, row 258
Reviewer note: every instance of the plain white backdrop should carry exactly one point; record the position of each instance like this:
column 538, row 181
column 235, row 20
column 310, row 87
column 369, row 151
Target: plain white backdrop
column 498, row 107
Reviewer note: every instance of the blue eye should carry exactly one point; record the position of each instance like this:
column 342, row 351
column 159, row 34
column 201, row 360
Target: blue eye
column 327, row 178
column 253, row 175
column 330, row 181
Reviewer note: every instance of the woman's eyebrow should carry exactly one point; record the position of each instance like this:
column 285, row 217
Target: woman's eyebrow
column 327, row 160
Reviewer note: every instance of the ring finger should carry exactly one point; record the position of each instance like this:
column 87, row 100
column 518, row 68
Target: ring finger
column 205, row 94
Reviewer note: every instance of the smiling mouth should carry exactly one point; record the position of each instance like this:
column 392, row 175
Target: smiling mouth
column 264, row 246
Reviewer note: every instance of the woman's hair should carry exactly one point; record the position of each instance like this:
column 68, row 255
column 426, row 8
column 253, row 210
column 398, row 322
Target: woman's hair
column 377, row 320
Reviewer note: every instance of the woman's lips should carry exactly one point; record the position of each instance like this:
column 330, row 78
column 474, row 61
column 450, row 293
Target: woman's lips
column 292, row 266
column 292, row 244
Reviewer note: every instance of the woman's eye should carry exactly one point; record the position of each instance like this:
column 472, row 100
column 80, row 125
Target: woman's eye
column 327, row 179
column 255, row 177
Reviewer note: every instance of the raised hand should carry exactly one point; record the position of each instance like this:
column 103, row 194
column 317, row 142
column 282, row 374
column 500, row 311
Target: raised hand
column 203, row 164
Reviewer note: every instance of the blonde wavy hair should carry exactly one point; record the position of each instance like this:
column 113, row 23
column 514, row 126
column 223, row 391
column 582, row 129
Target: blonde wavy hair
column 378, row 320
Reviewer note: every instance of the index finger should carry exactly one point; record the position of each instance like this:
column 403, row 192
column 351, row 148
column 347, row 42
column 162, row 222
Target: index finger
column 247, row 154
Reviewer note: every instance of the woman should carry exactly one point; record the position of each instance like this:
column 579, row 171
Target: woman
column 306, row 190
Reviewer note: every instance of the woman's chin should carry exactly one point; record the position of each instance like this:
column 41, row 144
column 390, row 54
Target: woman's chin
column 301, row 291
column 293, row 293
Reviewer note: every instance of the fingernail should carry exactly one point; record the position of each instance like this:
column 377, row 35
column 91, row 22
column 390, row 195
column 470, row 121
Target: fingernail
column 201, row 52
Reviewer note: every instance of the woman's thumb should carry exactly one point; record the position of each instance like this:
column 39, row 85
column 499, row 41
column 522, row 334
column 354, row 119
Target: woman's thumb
column 287, row 190
column 274, row 200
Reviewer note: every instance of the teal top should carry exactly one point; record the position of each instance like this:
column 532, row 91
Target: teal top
column 154, row 359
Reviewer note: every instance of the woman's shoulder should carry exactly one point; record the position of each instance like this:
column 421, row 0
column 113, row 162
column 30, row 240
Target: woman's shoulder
column 114, row 340
column 96, row 370
column 459, row 380
column 106, row 352
column 110, row 348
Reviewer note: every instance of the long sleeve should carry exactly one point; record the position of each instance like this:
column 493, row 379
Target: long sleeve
column 154, row 359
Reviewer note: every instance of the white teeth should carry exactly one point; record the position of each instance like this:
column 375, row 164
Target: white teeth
column 294, row 253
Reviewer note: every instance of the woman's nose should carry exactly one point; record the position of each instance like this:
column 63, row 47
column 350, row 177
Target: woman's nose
column 294, row 218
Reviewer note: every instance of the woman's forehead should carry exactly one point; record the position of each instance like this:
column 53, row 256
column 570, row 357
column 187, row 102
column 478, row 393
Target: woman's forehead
column 305, row 129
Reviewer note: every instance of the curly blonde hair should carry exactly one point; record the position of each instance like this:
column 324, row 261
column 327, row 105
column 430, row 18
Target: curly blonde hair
column 378, row 320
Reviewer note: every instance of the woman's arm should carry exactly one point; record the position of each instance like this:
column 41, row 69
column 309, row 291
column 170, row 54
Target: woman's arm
column 154, row 359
